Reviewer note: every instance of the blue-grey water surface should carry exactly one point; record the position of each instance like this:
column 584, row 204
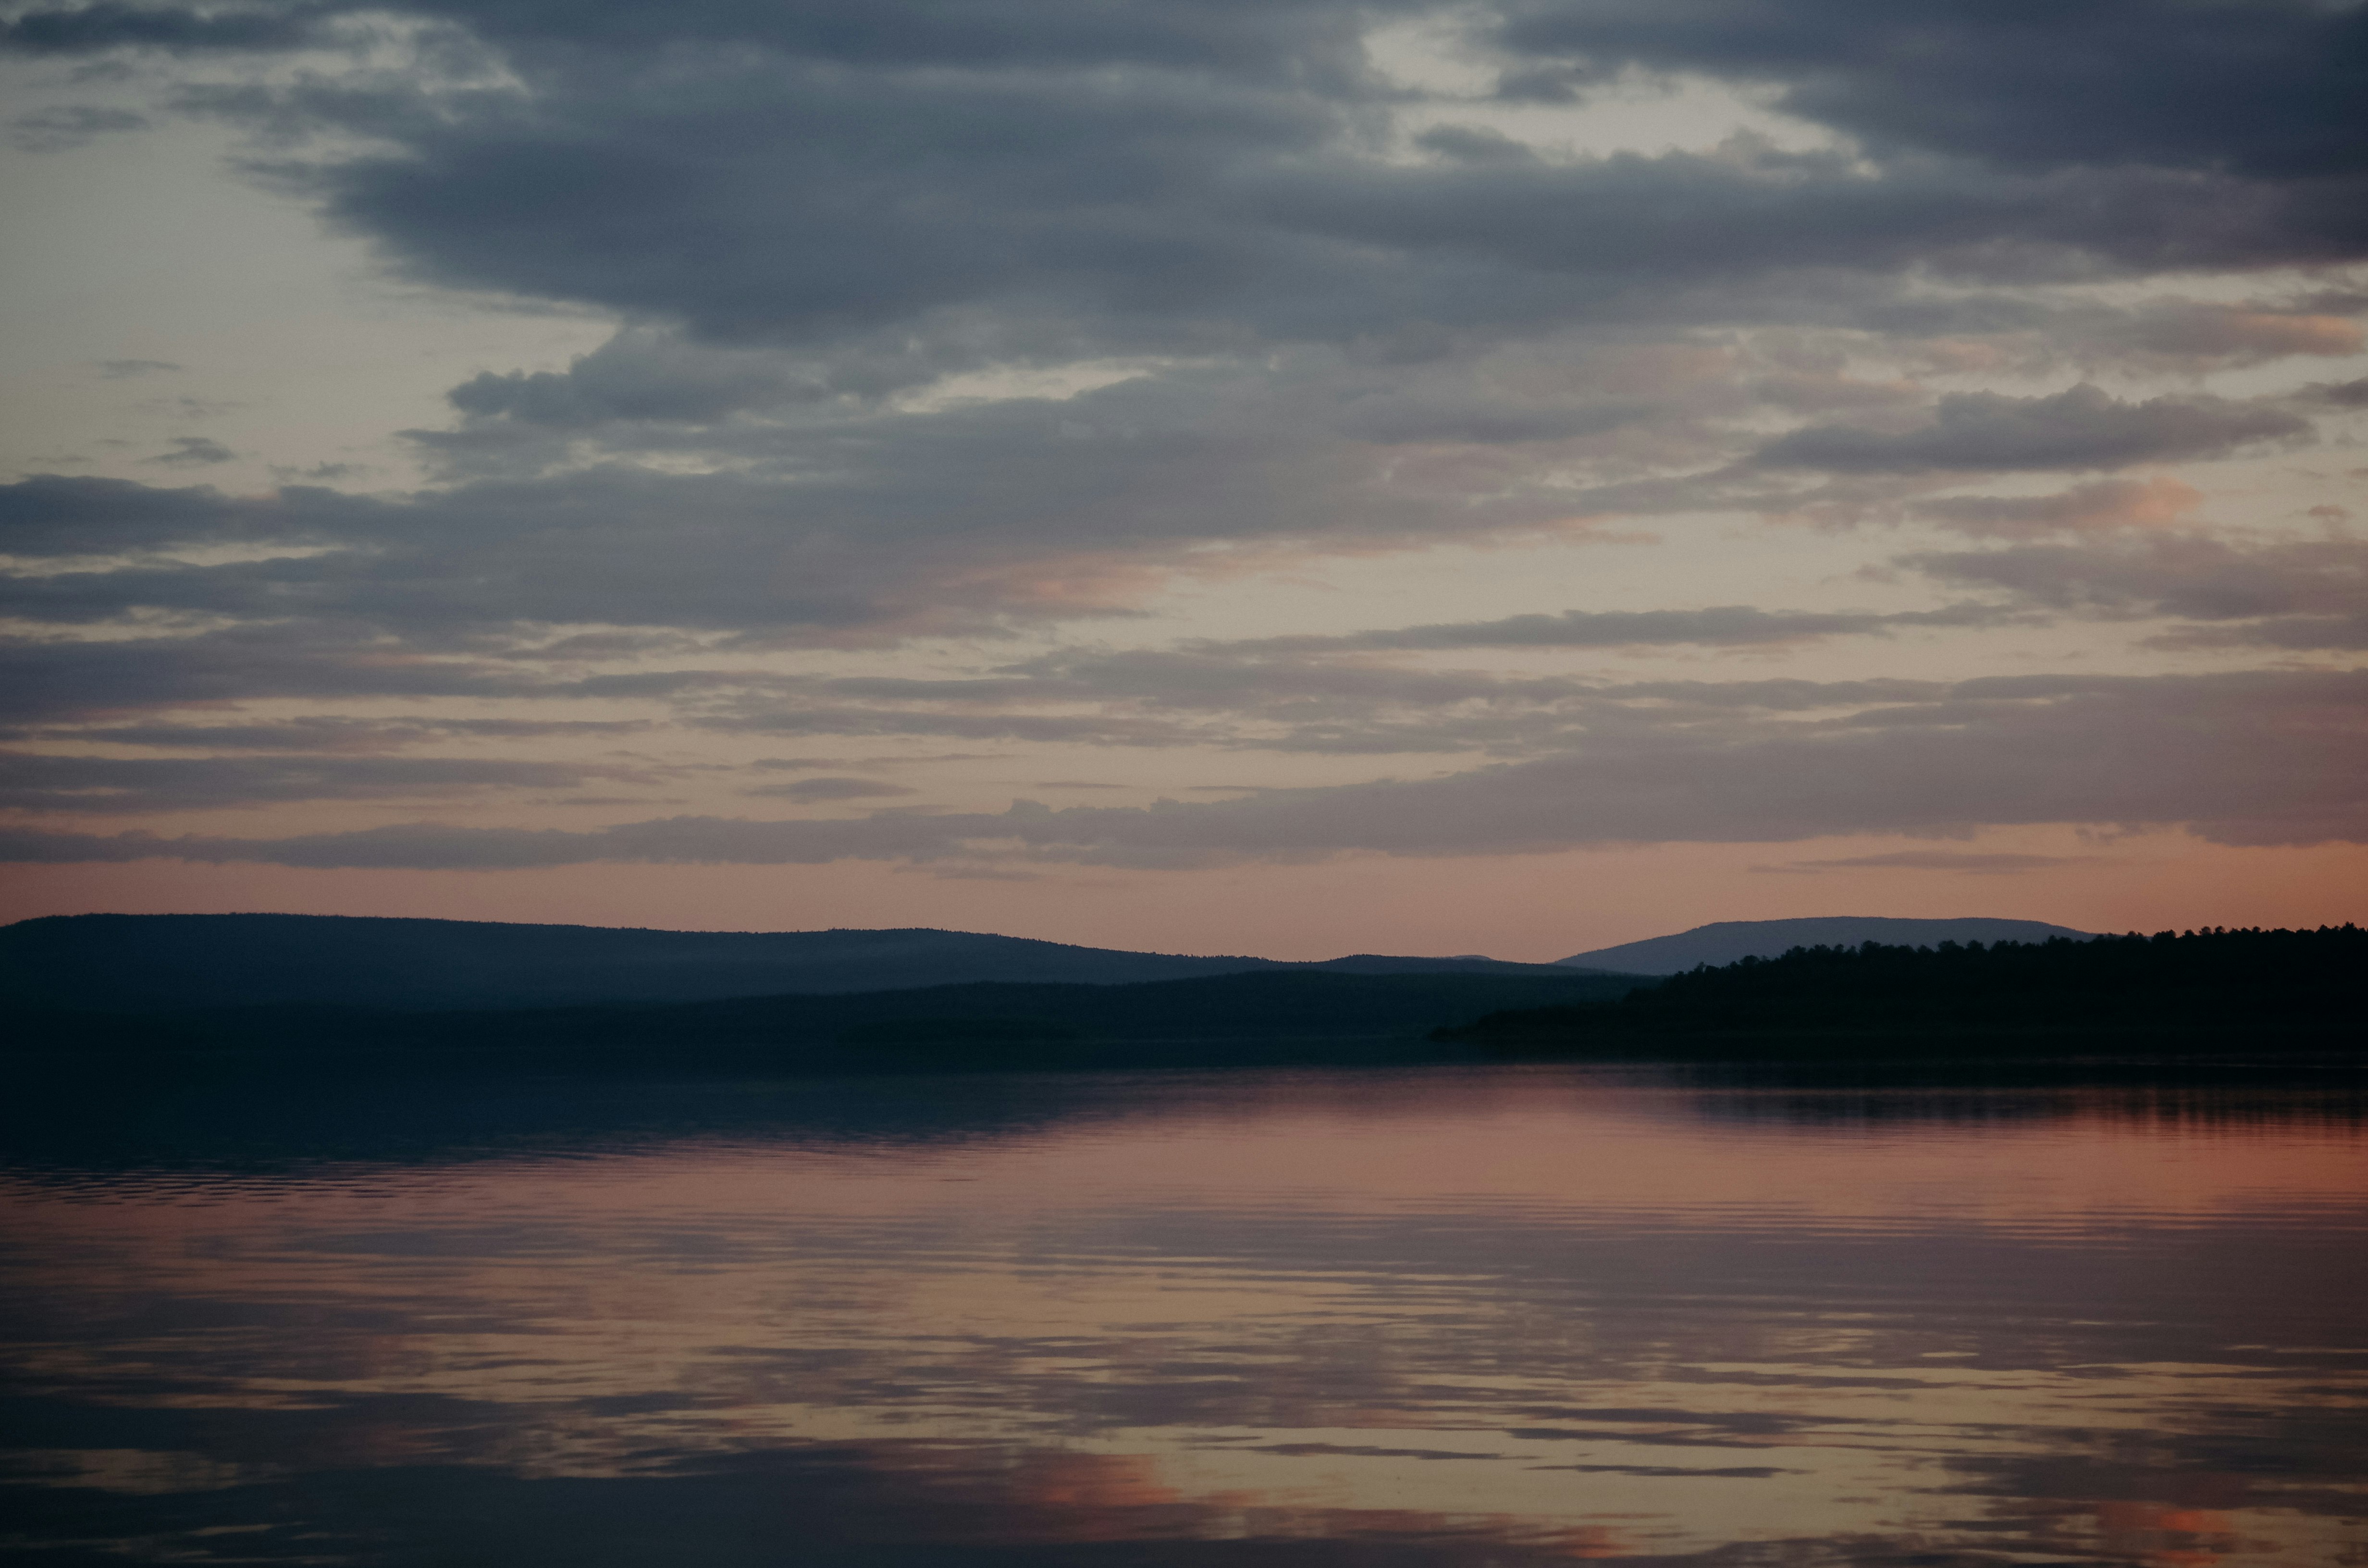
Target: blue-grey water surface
column 1450, row 1317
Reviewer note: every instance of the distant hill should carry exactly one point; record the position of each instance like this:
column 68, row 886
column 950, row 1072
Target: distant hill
column 1729, row 941
column 2239, row 989
column 135, row 962
column 1212, row 1020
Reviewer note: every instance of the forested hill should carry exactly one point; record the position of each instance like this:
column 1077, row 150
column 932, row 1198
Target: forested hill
column 1730, row 941
column 134, row 962
column 2216, row 979
column 1212, row 1020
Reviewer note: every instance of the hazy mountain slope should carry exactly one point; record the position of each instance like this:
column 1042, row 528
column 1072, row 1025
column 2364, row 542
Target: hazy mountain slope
column 134, row 961
column 1726, row 941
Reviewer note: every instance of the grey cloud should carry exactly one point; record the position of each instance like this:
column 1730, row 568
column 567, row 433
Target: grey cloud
column 1185, row 178
column 195, row 451
column 2255, row 758
column 2339, row 394
column 2292, row 633
column 123, row 370
column 2192, row 332
column 57, row 679
column 762, row 716
column 70, row 126
column 802, row 212
column 87, row 784
column 2279, row 593
column 808, row 792
column 2273, row 88
column 2032, row 333
column 638, row 375
column 94, row 29
column 330, row 734
column 2083, row 428
column 1217, row 696
column 1286, row 39
column 1739, row 625
column 2100, row 506
column 1474, row 145
column 1974, row 863
column 852, row 525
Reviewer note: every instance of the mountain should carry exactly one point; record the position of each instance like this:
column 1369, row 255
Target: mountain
column 133, row 962
column 1728, row 941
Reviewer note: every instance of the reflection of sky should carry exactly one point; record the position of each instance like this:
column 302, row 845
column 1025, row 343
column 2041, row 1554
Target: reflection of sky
column 1530, row 1311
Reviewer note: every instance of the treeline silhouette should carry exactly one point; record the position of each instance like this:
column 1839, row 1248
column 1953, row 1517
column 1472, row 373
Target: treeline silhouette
column 2216, row 979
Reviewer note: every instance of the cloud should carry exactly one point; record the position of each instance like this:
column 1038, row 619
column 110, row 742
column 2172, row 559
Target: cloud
column 2338, row 394
column 641, row 374
column 328, row 735
column 56, row 679
column 63, row 128
column 2100, row 506
column 196, row 452
column 2274, row 592
column 2256, row 758
column 105, row 25
column 2195, row 333
column 985, row 320
column 810, row 792
column 2270, row 89
column 2083, row 428
column 92, row 784
column 1723, row 625
column 1971, row 863
column 123, row 369
column 1039, row 181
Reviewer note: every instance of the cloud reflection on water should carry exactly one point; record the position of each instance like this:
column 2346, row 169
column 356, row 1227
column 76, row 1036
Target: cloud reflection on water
column 1454, row 1317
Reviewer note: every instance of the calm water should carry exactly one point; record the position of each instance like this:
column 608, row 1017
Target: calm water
column 1426, row 1317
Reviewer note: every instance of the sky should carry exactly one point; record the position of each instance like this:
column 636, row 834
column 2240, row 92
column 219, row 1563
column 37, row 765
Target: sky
column 1272, row 476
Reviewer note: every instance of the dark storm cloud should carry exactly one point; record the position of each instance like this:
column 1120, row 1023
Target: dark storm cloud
column 2082, row 428
column 2257, row 758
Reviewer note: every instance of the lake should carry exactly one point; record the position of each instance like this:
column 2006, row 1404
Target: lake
column 1422, row 1316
